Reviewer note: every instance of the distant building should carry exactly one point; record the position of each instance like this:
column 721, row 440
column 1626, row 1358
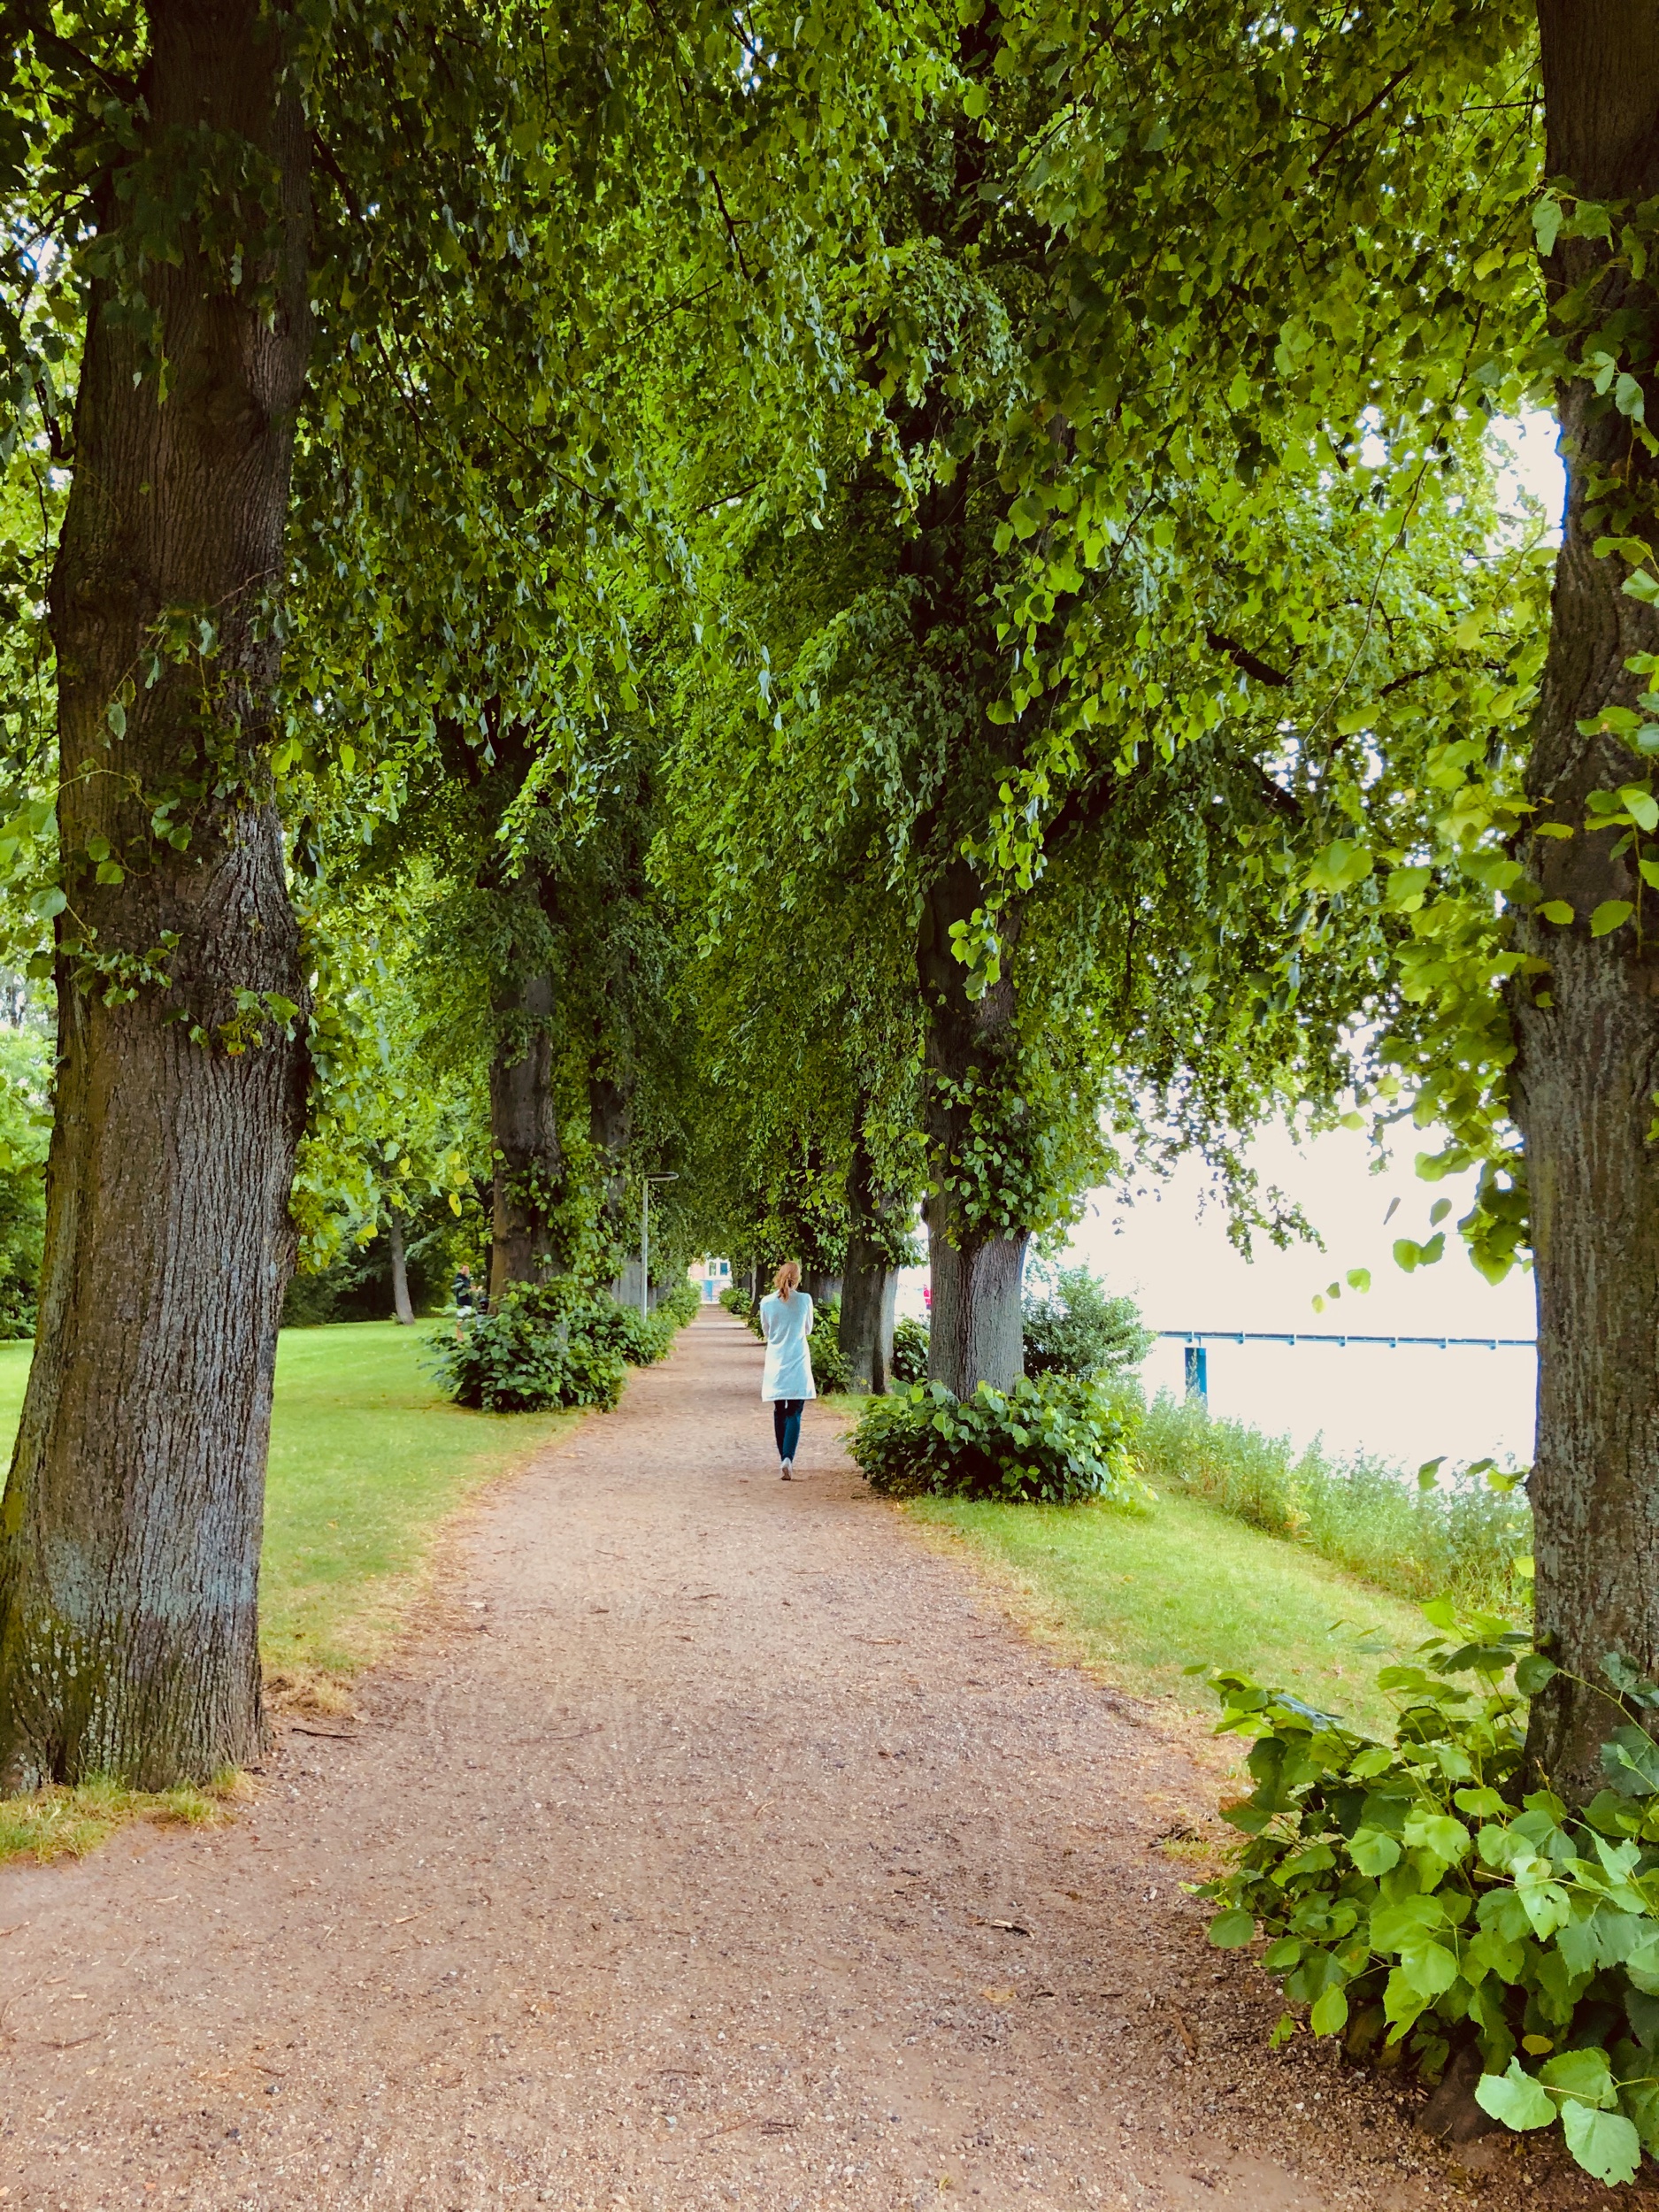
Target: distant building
column 711, row 1277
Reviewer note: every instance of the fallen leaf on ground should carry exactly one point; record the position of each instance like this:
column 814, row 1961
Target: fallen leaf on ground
column 999, row 1996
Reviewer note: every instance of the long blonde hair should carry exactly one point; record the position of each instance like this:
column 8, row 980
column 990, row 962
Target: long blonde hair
column 784, row 1281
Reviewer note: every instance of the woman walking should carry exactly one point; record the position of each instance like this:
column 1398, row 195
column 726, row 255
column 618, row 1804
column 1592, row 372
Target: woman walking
column 785, row 1320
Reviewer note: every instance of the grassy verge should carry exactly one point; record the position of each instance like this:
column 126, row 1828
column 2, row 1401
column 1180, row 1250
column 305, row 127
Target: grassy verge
column 1459, row 1536
column 367, row 1462
column 1142, row 1594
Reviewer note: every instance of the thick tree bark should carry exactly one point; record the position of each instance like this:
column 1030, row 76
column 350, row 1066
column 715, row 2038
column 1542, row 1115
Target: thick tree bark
column 129, row 1532
column 400, row 1306
column 1587, row 1069
column 611, row 1129
column 529, row 1163
column 871, row 1287
column 870, row 1299
column 976, row 1330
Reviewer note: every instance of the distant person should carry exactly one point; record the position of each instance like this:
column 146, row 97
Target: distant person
column 785, row 1320
column 468, row 1301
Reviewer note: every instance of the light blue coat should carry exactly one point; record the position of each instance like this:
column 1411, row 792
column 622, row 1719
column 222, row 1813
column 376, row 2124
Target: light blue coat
column 788, row 1323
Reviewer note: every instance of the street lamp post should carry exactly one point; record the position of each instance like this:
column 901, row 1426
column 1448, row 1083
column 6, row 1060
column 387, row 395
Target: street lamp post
column 645, row 1239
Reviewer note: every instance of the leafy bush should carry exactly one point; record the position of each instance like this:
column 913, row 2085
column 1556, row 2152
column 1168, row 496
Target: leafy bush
column 1417, row 1899
column 1056, row 1439
column 26, row 1120
column 1462, row 1536
column 540, row 1345
column 736, row 1302
column 910, row 1351
column 641, row 1339
column 678, row 1306
column 1074, row 1328
column 830, row 1370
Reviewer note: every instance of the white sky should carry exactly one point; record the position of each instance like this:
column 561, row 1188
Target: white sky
column 1170, row 1248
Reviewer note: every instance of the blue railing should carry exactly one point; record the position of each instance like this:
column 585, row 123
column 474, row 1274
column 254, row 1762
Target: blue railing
column 1197, row 1363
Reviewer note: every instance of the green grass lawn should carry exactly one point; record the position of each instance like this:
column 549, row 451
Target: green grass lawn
column 366, row 1460
column 1142, row 1594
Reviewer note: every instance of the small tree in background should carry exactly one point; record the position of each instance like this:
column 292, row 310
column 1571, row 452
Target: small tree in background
column 1074, row 1326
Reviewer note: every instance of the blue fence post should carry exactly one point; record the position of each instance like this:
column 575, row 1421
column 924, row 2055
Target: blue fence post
column 1197, row 1364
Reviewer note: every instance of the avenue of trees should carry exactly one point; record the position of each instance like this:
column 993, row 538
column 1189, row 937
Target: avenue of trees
column 889, row 610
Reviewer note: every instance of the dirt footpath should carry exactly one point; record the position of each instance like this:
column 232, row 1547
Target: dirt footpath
column 713, row 1843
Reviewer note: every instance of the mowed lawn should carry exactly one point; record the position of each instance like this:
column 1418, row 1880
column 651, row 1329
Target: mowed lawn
column 366, row 1463
column 1141, row 1594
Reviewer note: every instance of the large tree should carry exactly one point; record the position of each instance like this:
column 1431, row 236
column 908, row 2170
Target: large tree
column 208, row 195
column 130, row 1527
column 1587, row 1076
column 1097, row 917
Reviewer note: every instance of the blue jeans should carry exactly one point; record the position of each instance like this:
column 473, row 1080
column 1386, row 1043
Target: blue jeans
column 786, row 1425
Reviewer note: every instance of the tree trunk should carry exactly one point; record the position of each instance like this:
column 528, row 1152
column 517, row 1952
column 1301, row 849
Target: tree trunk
column 610, row 1127
column 529, row 1166
column 1587, row 1068
column 871, row 1287
column 129, row 1533
column 870, row 1302
column 400, row 1306
column 976, row 1254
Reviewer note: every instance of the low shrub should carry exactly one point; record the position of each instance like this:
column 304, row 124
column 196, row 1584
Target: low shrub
column 1464, row 1536
column 543, row 1345
column 830, row 1370
column 641, row 1339
column 1056, row 1439
column 1073, row 1328
column 1419, row 1899
column 679, row 1306
column 910, row 1351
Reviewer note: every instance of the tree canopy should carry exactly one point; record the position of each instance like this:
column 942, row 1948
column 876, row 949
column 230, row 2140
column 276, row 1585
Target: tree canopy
column 881, row 611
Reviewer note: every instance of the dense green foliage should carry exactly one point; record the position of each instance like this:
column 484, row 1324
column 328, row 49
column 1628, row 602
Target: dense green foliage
column 1416, row 1893
column 829, row 1362
column 1054, row 1441
column 554, row 1344
column 25, row 1122
column 909, row 1350
column 1074, row 1327
column 1460, row 1535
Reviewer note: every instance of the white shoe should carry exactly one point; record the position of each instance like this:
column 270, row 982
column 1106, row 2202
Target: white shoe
column 784, row 1468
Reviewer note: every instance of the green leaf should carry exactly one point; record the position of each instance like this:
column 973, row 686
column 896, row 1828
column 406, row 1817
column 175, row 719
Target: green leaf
column 1228, row 1931
column 1373, row 1851
column 1605, row 2144
column 1515, row 2099
column 1547, row 219
column 1430, row 1971
column 1610, row 915
column 1438, row 1832
column 1330, row 2011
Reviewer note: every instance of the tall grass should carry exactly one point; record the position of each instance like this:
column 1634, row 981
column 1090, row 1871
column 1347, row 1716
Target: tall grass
column 1462, row 1537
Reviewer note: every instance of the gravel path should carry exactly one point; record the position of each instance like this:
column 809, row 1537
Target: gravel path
column 714, row 1842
